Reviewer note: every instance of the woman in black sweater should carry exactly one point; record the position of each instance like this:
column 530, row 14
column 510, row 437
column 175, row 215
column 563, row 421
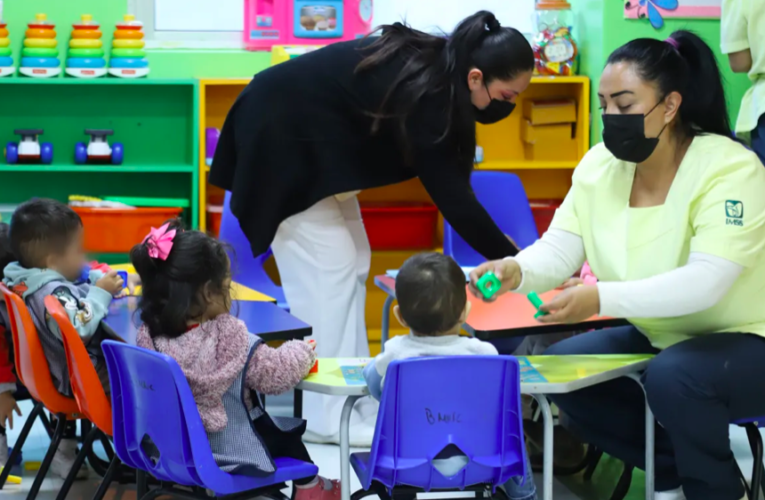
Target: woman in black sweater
column 307, row 135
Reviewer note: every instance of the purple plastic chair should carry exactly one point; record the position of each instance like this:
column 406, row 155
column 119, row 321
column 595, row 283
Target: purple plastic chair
column 248, row 270
column 503, row 196
column 157, row 429
column 430, row 405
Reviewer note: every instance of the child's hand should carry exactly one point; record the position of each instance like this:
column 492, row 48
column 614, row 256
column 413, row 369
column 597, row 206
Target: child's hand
column 133, row 281
column 111, row 282
column 507, row 271
column 8, row 405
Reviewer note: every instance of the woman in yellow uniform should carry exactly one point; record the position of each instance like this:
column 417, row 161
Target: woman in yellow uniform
column 670, row 213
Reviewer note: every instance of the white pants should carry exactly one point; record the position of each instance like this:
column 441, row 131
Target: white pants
column 323, row 257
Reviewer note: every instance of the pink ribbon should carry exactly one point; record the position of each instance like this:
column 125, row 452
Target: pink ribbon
column 160, row 242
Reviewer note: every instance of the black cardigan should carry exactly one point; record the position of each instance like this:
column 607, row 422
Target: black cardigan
column 301, row 132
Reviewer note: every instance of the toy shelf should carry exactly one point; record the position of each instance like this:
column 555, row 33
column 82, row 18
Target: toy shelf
column 216, row 96
column 154, row 119
column 98, row 168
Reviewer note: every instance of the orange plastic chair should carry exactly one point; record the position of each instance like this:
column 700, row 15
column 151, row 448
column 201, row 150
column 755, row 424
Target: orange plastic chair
column 88, row 392
column 32, row 368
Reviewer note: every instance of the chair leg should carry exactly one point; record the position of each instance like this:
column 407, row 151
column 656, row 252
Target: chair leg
column 140, row 482
column 755, row 442
column 108, row 478
column 46, row 423
column 87, row 444
column 36, row 411
column 58, row 434
column 623, row 486
column 594, row 454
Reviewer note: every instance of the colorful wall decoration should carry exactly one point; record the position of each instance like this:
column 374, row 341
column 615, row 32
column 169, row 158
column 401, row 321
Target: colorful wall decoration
column 656, row 10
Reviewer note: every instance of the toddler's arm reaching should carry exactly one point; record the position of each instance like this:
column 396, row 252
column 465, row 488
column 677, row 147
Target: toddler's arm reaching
column 276, row 371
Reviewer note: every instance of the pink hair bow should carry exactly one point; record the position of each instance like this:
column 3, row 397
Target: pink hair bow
column 160, row 242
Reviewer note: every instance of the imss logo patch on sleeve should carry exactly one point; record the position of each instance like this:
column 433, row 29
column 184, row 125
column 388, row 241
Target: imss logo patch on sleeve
column 734, row 213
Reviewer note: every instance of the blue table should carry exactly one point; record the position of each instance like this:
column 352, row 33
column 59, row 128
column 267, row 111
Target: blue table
column 264, row 319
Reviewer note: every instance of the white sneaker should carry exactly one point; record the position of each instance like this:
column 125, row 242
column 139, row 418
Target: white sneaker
column 3, row 450
column 64, row 459
column 676, row 494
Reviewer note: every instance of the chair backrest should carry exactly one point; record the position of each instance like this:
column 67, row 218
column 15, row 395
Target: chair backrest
column 248, row 270
column 429, row 404
column 86, row 386
column 31, row 363
column 157, row 427
column 503, row 196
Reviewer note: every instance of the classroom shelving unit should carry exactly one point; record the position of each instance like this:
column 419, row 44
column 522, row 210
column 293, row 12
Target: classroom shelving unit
column 216, row 96
column 503, row 150
column 155, row 120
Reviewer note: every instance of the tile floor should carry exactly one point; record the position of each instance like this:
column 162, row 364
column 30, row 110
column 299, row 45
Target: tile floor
column 327, row 457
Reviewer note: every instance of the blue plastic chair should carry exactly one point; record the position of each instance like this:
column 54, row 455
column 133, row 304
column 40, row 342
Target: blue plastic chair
column 503, row 196
column 157, row 428
column 429, row 404
column 248, row 270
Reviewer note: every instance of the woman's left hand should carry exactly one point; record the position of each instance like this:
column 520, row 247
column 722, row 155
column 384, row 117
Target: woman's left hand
column 573, row 305
column 133, row 281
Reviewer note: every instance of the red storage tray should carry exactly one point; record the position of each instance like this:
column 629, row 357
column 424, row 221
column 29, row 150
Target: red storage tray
column 116, row 230
column 400, row 226
column 544, row 211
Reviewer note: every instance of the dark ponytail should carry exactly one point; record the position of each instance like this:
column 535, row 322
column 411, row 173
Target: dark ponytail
column 441, row 64
column 172, row 289
column 683, row 63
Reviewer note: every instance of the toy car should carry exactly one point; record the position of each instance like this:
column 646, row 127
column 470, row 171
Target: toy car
column 98, row 150
column 29, row 149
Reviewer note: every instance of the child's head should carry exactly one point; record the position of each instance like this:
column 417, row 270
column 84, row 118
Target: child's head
column 191, row 285
column 6, row 254
column 432, row 301
column 47, row 234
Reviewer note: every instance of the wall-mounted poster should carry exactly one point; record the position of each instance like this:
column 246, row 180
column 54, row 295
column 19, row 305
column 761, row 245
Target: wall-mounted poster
column 656, row 10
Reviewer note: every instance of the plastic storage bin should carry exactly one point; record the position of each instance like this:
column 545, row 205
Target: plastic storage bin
column 400, row 226
column 116, row 230
column 214, row 217
column 544, row 211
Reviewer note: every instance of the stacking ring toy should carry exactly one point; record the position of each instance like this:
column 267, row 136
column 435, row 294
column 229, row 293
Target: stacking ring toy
column 128, row 62
column 5, row 51
column 90, row 34
column 123, row 34
column 85, row 43
column 137, row 53
column 39, row 62
column 86, row 53
column 128, row 44
column 40, row 43
column 6, row 61
column 27, row 52
column 5, row 42
column 3, row 32
column 40, row 33
column 84, row 62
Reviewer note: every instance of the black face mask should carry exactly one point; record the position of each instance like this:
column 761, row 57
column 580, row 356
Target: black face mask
column 496, row 110
column 624, row 136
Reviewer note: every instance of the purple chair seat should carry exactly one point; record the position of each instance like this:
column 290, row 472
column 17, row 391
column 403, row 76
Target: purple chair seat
column 430, row 405
column 157, row 428
column 247, row 269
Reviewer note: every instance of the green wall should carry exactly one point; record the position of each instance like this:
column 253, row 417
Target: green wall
column 164, row 63
column 605, row 27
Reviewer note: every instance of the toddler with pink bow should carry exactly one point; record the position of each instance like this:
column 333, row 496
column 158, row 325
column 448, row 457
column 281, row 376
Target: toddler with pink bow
column 185, row 309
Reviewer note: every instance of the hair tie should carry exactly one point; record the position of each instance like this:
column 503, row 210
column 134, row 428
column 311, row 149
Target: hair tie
column 674, row 43
column 160, row 242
